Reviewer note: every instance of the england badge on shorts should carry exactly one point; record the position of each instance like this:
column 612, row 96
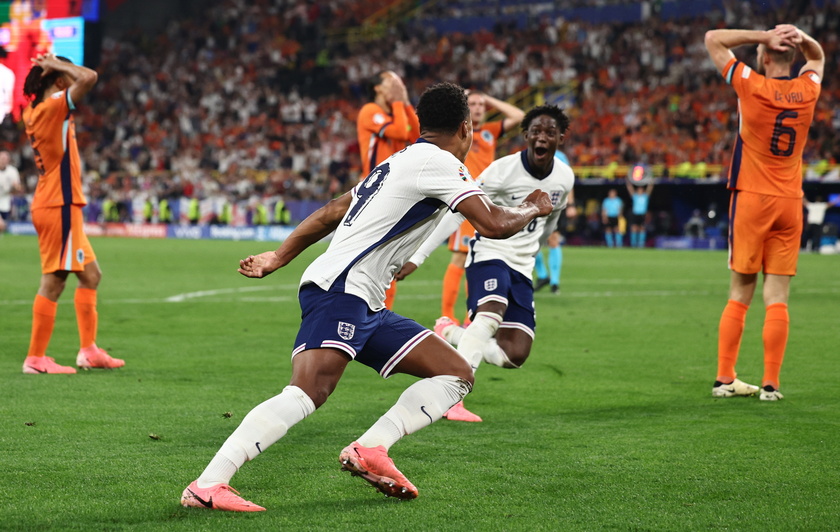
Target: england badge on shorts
column 491, row 284
column 346, row 330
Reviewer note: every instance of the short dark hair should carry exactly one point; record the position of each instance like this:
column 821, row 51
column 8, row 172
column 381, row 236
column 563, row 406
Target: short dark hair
column 550, row 110
column 782, row 58
column 372, row 82
column 36, row 83
column 442, row 108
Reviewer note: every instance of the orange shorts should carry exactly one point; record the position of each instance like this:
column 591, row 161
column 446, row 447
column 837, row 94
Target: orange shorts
column 460, row 240
column 764, row 233
column 62, row 240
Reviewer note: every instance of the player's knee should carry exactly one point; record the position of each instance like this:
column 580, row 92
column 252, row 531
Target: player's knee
column 517, row 359
column 52, row 287
column 319, row 395
column 468, row 376
column 90, row 277
column 515, row 353
column 317, row 392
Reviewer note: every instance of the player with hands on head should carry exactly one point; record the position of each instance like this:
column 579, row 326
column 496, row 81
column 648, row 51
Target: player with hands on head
column 55, row 86
column 385, row 125
column 765, row 179
column 377, row 225
column 500, row 298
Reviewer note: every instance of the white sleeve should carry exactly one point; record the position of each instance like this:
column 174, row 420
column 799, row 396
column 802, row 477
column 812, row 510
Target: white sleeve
column 447, row 226
column 445, row 178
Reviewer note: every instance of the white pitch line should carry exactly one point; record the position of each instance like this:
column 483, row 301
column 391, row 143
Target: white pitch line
column 210, row 296
column 178, row 298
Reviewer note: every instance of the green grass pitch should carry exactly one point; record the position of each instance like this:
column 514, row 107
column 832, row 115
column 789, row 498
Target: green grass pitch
column 609, row 425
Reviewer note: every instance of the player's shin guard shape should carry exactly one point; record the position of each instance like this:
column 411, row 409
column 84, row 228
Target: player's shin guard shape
column 775, row 336
column 477, row 335
column 43, row 322
column 86, row 316
column 729, row 339
column 420, row 405
column 265, row 424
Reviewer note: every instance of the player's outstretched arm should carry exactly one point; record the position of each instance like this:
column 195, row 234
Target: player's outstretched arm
column 315, row 227
column 495, row 221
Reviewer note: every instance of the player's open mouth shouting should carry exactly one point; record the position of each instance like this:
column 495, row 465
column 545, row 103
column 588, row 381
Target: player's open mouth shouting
column 540, row 152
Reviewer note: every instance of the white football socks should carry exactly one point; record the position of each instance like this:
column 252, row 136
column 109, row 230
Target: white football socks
column 453, row 334
column 495, row 355
column 420, row 405
column 265, row 424
column 474, row 340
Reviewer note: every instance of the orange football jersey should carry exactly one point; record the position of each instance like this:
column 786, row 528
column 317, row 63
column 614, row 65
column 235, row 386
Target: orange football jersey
column 52, row 131
column 483, row 150
column 773, row 122
column 382, row 135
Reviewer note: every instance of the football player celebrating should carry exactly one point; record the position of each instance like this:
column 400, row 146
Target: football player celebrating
column 500, row 293
column 377, row 225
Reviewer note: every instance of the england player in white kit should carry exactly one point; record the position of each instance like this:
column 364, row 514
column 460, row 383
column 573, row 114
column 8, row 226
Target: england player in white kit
column 500, row 297
column 378, row 225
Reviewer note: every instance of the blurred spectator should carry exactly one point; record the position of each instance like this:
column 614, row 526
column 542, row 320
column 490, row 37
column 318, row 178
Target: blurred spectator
column 262, row 97
column 612, row 209
column 816, row 220
column 9, row 185
column 696, row 225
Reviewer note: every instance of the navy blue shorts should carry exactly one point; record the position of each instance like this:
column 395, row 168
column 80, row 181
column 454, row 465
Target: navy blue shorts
column 493, row 280
column 342, row 321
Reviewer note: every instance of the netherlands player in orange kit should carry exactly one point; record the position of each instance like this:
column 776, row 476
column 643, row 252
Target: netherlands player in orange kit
column 55, row 85
column 384, row 126
column 765, row 178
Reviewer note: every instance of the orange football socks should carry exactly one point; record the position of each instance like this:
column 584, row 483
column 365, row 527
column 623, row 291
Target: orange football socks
column 451, row 288
column 775, row 336
column 729, row 339
column 390, row 294
column 43, row 321
column 86, row 316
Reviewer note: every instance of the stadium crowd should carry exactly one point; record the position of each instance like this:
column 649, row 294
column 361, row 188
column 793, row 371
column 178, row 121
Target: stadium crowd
column 257, row 99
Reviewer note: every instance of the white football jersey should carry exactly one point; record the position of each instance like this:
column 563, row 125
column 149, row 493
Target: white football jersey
column 507, row 182
column 392, row 212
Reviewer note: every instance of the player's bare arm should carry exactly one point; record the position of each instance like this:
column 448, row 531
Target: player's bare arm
column 406, row 270
column 719, row 43
column 495, row 221
column 811, row 49
column 82, row 79
column 315, row 227
column 571, row 206
column 513, row 114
